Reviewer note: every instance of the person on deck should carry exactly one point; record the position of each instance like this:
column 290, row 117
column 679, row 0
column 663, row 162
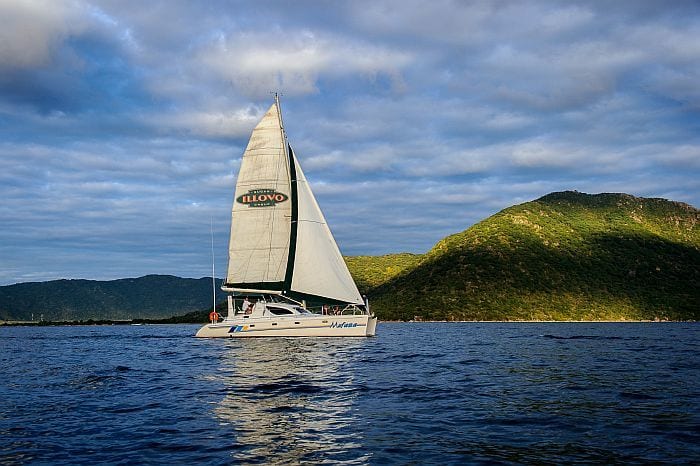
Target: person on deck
column 251, row 306
column 245, row 305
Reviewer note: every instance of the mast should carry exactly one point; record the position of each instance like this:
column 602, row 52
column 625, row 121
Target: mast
column 279, row 116
column 213, row 273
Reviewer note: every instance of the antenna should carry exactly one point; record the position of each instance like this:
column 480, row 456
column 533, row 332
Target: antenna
column 279, row 114
column 213, row 273
column 276, row 95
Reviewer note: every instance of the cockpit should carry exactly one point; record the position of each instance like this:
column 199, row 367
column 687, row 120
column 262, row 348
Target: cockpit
column 270, row 305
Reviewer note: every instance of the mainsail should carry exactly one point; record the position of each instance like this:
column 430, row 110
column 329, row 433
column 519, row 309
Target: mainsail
column 280, row 240
column 259, row 243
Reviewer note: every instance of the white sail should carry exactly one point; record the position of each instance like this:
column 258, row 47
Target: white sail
column 261, row 214
column 319, row 268
column 282, row 252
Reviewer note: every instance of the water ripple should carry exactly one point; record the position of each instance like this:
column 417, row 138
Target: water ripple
column 417, row 394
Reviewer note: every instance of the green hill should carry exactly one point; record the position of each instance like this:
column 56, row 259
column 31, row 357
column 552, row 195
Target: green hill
column 152, row 296
column 371, row 271
column 564, row 256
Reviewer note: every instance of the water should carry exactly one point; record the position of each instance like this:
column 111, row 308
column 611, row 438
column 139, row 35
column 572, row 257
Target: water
column 437, row 393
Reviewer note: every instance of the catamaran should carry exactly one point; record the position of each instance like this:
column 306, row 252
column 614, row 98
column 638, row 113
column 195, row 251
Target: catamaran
column 286, row 276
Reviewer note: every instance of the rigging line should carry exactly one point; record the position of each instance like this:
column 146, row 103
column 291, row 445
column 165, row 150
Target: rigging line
column 213, row 273
column 312, row 221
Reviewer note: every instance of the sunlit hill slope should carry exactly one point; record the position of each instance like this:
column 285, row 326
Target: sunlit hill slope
column 564, row 256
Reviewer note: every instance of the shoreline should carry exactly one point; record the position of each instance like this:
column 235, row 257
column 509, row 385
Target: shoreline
column 137, row 322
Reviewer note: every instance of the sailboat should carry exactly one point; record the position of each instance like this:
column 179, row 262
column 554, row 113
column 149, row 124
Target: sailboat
column 286, row 276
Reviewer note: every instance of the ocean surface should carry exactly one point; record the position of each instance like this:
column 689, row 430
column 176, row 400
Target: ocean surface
column 418, row 393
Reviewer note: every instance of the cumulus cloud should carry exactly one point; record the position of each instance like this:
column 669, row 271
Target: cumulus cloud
column 31, row 31
column 294, row 60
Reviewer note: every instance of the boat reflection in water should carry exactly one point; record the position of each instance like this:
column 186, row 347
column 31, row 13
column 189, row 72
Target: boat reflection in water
column 292, row 400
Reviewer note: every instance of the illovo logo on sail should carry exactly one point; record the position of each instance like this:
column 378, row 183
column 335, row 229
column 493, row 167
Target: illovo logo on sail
column 262, row 198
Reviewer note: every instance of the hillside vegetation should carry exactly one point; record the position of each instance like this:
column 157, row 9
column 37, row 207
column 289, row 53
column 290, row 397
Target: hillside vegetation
column 152, row 296
column 371, row 271
column 565, row 256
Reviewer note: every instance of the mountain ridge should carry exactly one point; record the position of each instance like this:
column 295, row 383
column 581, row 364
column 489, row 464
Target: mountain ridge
column 564, row 256
column 150, row 296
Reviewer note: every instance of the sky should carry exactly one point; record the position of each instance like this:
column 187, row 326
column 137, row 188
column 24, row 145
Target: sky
column 122, row 123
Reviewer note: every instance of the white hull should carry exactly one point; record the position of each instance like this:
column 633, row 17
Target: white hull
column 292, row 326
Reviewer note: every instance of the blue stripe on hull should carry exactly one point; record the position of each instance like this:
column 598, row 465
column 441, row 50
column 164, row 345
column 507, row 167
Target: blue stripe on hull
column 239, row 328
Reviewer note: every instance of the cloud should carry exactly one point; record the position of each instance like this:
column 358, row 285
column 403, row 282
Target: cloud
column 31, row 32
column 122, row 123
column 293, row 61
column 231, row 124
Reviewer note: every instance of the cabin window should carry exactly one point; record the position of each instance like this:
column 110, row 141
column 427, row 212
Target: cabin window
column 278, row 311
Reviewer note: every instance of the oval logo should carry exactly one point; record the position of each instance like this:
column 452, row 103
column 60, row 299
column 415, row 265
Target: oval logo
column 262, row 198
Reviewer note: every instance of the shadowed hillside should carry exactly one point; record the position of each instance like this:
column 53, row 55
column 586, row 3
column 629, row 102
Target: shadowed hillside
column 564, row 256
column 152, row 296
